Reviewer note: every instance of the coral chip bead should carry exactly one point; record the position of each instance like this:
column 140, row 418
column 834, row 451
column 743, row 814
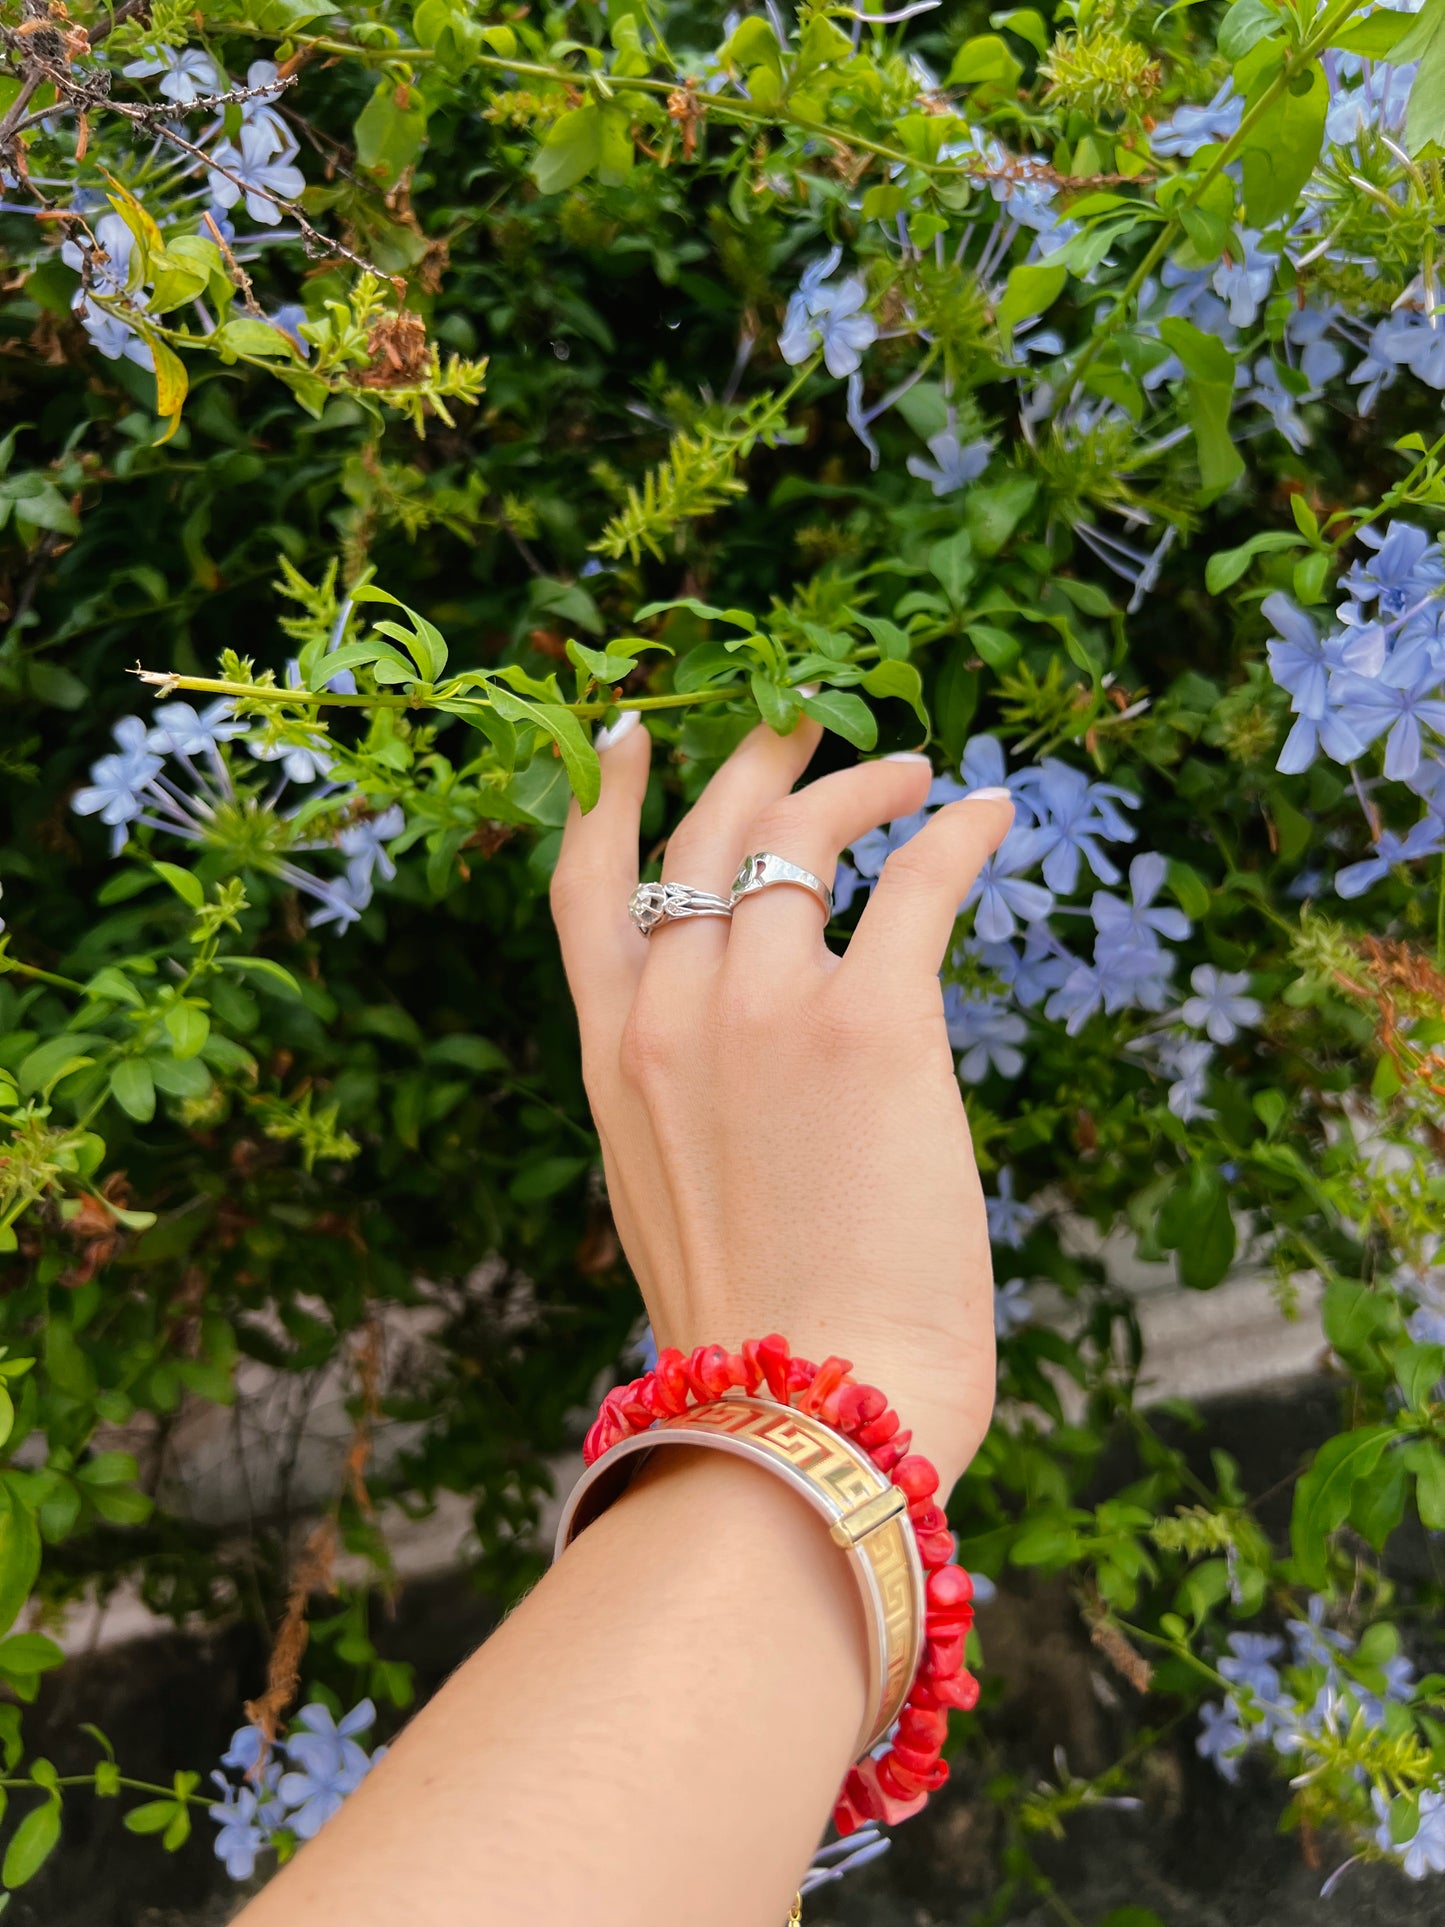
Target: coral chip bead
column 915, row 1477
column 960, row 1691
column 860, row 1405
column 950, row 1595
column 923, row 1729
column 936, row 1549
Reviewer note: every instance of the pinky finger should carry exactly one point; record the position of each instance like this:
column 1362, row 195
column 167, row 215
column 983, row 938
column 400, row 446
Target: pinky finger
column 908, row 924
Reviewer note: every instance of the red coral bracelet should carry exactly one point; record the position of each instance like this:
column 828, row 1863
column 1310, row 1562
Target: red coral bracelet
column 894, row 1783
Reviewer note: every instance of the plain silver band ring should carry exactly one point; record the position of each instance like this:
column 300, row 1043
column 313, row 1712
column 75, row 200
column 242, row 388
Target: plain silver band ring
column 653, row 903
column 762, row 869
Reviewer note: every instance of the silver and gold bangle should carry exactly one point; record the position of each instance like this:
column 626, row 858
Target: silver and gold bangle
column 867, row 1517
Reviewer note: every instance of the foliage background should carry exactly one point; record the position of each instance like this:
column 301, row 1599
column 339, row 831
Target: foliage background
column 590, row 407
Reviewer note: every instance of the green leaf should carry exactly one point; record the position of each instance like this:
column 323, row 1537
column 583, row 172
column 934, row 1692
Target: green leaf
column 189, row 1027
column 1026, row 23
column 1356, row 1318
column 1028, row 291
column 1425, row 42
column 31, row 1844
column 49, row 1062
column 1322, row 1497
column 579, row 758
column 845, row 714
column 1226, row 566
column 1426, row 1460
column 1209, row 389
column 984, row 58
column 704, row 611
column 187, row 887
column 133, row 1088
column 778, row 706
column 245, row 335
column 572, row 149
column 1377, row 35
column 19, row 1555
column 546, row 1178
column 1191, row 892
column 154, row 1817
column 900, row 681
column 273, row 976
column 951, row 562
column 391, row 129
column 1282, row 149
column 600, row 663
column 1245, row 25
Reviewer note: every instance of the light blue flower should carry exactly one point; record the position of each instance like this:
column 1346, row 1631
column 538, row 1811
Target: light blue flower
column 1265, row 386
column 1220, row 1006
column 1004, row 898
column 1249, row 1663
column 1424, row 1852
column 327, row 1764
column 342, row 900
column 1244, row 278
column 954, row 463
column 1427, row 838
column 188, row 72
column 983, row 766
column 1077, row 998
column 1401, row 699
column 1221, row 1739
column 1314, row 1643
column 1190, row 128
column 1311, row 734
column 1009, row 1218
column 827, row 315
column 1119, row 923
column 986, row 1033
column 1320, row 356
column 1031, row 974
column 364, row 844
column 181, row 730
column 1405, row 339
column 1406, row 568
column 1072, row 817
column 239, row 1837
column 257, row 172
column 1188, row 1062
column 1012, row 1310
column 114, row 792
column 260, row 113
column 287, row 320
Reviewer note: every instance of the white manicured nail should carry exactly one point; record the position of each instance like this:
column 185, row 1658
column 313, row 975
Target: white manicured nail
column 610, row 738
column 809, row 688
column 988, row 796
column 907, row 756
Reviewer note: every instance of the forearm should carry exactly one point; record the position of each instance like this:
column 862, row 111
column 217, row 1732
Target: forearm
column 654, row 1736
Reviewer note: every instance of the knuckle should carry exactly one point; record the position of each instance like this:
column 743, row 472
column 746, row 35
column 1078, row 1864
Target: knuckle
column 652, row 1048
column 914, row 864
column 780, row 826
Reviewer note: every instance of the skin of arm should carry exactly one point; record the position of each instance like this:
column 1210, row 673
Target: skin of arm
column 655, row 1736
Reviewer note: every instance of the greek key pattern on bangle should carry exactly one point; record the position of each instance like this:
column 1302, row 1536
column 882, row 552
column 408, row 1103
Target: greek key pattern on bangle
column 895, row 1783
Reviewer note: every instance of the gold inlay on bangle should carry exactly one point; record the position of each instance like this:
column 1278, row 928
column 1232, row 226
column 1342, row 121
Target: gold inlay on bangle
column 859, row 1520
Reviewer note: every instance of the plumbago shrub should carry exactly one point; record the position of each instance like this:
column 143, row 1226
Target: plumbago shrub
column 407, row 391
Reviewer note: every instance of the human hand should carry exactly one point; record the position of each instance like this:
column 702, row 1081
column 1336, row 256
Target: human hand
column 782, row 1129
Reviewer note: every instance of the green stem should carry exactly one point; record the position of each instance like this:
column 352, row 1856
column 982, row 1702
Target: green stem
column 1294, row 64
column 1440, row 919
column 321, row 698
column 9, row 964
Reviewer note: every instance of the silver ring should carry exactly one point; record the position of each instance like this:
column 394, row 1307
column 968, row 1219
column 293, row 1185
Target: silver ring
column 653, row 903
column 763, row 868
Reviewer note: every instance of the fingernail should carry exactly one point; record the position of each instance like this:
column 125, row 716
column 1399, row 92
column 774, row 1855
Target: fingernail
column 610, row 738
column 907, row 756
column 809, row 688
column 988, row 796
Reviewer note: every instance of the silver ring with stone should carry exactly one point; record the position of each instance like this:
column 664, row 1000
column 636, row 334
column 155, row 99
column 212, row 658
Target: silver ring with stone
column 653, row 903
column 763, row 869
